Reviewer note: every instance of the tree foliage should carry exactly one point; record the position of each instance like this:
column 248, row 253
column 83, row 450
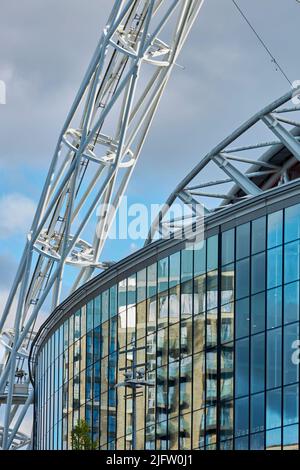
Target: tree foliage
column 80, row 437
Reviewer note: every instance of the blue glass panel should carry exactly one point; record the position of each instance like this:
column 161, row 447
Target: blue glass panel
column 258, row 273
column 141, row 285
column 243, row 241
column 113, row 301
column 292, row 223
column 163, row 274
column 275, row 229
column 291, row 437
column 242, row 318
column 291, row 404
column 212, row 253
column 274, row 267
column 200, row 258
column 273, row 408
column 291, row 303
column 258, row 310
column 257, row 413
column 97, row 311
column 105, row 306
column 257, row 441
column 242, row 278
column 258, row 235
column 77, row 324
column 187, row 261
column 242, row 443
column 89, row 315
column 290, row 367
column 257, row 363
column 291, row 262
column 241, row 417
column 274, row 308
column 152, row 279
column 228, row 247
column 274, row 358
column 242, row 367
column 273, row 439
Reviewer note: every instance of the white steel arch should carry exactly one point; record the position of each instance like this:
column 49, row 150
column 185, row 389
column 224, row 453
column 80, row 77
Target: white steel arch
column 95, row 156
column 243, row 171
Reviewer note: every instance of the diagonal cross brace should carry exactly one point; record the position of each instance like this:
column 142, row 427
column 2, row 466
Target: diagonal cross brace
column 236, row 175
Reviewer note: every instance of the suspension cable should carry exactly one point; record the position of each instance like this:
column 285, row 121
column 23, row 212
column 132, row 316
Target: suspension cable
column 262, row 42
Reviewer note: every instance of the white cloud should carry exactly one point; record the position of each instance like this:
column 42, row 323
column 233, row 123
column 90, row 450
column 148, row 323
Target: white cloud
column 16, row 213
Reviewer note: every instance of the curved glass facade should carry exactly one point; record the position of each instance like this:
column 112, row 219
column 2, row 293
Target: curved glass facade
column 210, row 332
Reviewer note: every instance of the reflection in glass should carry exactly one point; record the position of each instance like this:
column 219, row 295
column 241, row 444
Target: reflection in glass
column 274, row 308
column 242, row 318
column 274, row 269
column 275, row 229
column 258, row 235
column 242, row 367
column 273, row 408
column 228, row 247
column 258, row 313
column 292, row 223
column 291, row 303
column 258, row 273
column 242, row 278
column 274, row 358
column 257, row 363
column 243, row 241
column 291, row 262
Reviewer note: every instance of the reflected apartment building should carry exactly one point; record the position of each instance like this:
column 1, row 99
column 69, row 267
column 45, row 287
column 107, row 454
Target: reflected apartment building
column 180, row 345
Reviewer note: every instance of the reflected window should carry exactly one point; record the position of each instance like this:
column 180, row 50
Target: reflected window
column 242, row 367
column 292, row 223
column 241, row 417
column 174, row 277
column 243, row 241
column 291, row 437
column 274, row 308
column 290, row 404
column 228, row 247
column 242, row 318
column 257, row 441
column 257, row 412
column 227, row 288
column 257, row 363
column 141, row 285
column 291, row 262
column 274, row 270
column 212, row 253
column 273, row 439
column 275, row 229
column 258, row 235
column 290, row 367
column 187, row 262
column 273, row 409
column 258, row 313
column 274, row 358
column 242, row 278
column 163, row 274
column 291, row 303
column 258, row 273
column 151, row 280
column 200, row 258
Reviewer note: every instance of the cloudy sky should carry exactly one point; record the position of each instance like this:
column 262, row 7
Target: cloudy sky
column 45, row 49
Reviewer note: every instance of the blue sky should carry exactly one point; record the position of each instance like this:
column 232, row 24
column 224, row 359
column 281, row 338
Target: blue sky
column 46, row 47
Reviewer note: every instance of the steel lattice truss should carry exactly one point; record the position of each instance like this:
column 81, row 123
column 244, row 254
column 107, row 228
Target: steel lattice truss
column 243, row 171
column 95, row 156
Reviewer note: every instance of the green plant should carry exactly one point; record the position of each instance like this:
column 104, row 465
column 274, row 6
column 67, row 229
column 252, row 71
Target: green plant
column 80, row 437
